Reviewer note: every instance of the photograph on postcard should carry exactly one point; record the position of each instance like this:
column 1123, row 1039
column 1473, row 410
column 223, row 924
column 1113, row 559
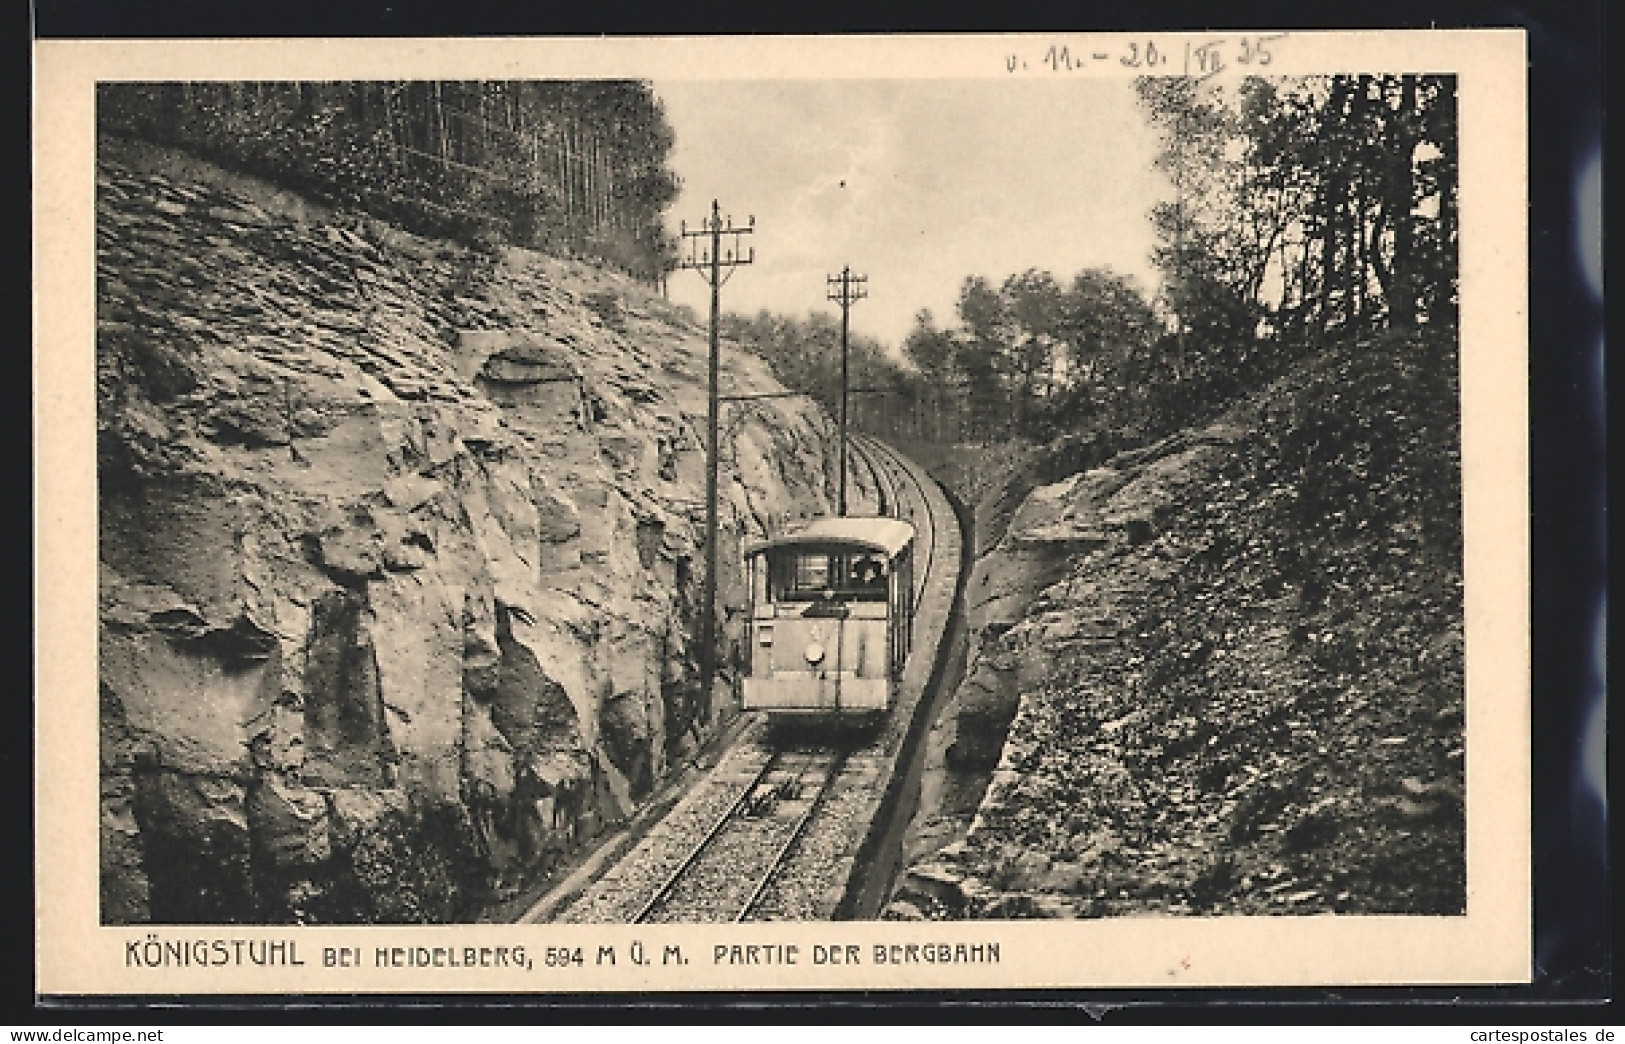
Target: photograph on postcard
column 639, row 499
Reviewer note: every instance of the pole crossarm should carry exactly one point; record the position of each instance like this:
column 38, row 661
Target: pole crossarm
column 703, row 250
column 846, row 288
column 707, row 255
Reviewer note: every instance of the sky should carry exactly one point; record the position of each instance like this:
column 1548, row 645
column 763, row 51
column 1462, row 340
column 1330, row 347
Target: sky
column 915, row 183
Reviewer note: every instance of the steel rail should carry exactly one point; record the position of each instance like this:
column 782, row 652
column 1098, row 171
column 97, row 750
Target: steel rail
column 883, row 500
column 880, row 449
column 694, row 854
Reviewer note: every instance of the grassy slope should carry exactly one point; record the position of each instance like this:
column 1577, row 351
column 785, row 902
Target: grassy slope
column 1278, row 722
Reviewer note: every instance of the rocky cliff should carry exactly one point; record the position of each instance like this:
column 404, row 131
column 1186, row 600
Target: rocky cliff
column 1222, row 673
column 399, row 560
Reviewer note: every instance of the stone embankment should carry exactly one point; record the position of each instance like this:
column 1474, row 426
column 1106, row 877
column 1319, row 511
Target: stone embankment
column 1220, row 674
column 399, row 561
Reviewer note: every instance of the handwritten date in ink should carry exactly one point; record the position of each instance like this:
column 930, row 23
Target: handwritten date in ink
column 1184, row 57
column 1209, row 59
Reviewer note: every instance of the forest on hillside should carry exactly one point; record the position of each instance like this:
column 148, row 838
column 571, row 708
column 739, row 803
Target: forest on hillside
column 1304, row 212
column 570, row 167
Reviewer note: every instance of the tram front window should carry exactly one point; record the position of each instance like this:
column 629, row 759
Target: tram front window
column 811, row 575
column 831, row 576
column 868, row 579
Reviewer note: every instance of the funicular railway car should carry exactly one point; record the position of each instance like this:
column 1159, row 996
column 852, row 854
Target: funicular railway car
column 831, row 618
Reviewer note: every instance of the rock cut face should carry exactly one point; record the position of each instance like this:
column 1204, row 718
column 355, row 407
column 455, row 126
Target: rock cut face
column 399, row 552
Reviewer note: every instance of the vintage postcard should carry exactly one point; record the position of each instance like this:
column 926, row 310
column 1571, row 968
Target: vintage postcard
column 782, row 513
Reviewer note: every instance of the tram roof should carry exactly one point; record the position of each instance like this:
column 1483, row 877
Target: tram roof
column 886, row 535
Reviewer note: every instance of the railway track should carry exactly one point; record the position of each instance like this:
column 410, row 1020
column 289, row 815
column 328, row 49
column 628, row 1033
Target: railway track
column 726, row 873
column 731, row 871
column 885, row 494
column 903, row 496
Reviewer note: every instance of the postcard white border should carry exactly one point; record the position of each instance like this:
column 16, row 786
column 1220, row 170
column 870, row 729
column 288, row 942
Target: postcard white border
column 1490, row 944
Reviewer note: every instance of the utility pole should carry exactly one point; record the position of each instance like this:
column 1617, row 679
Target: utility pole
column 845, row 289
column 709, row 260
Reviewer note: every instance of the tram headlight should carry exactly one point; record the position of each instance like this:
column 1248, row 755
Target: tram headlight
column 814, row 654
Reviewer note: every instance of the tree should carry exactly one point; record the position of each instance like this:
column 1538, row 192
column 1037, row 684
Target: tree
column 565, row 166
column 932, row 351
column 1034, row 306
column 933, row 394
column 986, row 332
column 1106, row 330
column 1317, row 205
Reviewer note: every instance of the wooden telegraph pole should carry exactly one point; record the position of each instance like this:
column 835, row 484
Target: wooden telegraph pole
column 707, row 257
column 845, row 289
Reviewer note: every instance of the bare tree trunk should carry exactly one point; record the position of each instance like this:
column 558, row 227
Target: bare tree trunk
column 394, row 137
column 589, row 201
column 1334, row 195
column 1328, row 259
column 438, row 122
column 485, row 126
column 569, row 181
column 1358, row 265
column 1401, row 185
